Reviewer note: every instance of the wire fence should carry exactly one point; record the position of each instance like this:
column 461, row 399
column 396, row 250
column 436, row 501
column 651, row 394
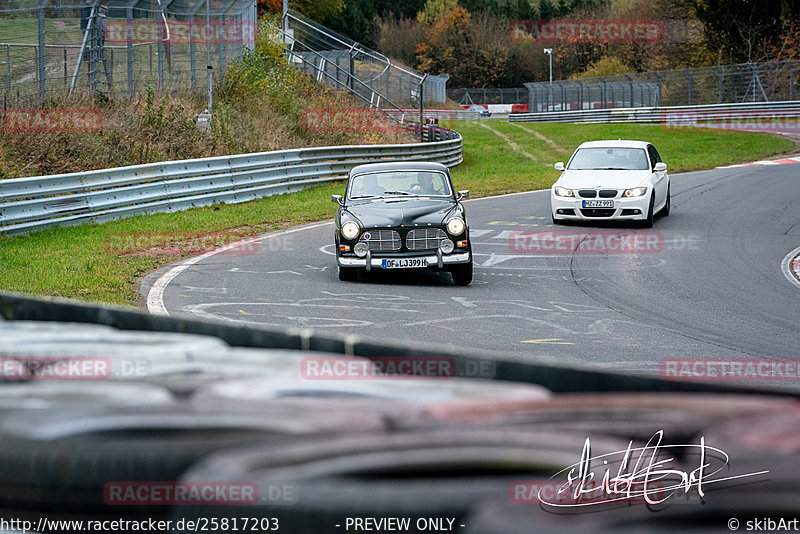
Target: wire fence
column 747, row 82
column 53, row 47
column 482, row 95
column 336, row 59
column 727, row 84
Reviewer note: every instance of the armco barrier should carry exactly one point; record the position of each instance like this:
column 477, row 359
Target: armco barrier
column 28, row 204
column 790, row 109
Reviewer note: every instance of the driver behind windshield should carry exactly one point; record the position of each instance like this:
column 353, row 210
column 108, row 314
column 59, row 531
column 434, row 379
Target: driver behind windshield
column 424, row 185
column 367, row 186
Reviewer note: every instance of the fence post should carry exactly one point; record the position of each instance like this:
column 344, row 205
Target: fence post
column 689, row 82
column 192, row 71
column 161, row 37
column 422, row 109
column 129, row 37
column 8, row 68
column 719, row 75
column 42, row 59
column 791, row 81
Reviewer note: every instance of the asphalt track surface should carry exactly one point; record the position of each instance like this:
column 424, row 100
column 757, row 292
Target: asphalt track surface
column 708, row 284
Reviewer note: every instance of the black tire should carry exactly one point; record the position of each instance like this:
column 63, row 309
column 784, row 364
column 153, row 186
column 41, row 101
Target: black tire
column 416, row 474
column 462, row 274
column 556, row 221
column 648, row 222
column 62, row 460
column 666, row 209
column 347, row 275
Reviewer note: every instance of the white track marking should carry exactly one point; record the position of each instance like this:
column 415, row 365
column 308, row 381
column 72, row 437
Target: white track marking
column 155, row 297
column 786, row 266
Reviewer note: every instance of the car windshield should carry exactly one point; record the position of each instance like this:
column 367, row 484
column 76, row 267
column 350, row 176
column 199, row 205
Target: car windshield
column 401, row 183
column 610, row 158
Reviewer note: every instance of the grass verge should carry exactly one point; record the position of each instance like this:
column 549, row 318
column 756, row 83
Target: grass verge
column 76, row 262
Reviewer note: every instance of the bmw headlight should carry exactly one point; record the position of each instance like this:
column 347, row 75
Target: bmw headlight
column 563, row 192
column 635, row 192
column 350, row 230
column 456, row 225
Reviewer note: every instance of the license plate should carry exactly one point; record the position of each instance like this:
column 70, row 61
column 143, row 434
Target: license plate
column 598, row 203
column 404, row 263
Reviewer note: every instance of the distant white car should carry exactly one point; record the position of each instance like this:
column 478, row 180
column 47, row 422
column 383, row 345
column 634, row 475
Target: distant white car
column 603, row 180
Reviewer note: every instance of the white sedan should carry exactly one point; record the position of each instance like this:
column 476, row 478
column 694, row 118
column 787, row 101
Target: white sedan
column 621, row 180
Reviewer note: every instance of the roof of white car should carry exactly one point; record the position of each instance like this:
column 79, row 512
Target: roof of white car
column 614, row 144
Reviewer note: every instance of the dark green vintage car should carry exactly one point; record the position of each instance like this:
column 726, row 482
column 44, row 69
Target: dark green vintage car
column 402, row 216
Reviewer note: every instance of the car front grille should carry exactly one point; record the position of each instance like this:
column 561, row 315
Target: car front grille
column 382, row 240
column 598, row 212
column 424, row 238
column 587, row 193
column 608, row 193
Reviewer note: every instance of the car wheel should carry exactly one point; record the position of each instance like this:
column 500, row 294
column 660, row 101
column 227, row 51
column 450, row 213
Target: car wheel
column 462, row 274
column 665, row 210
column 347, row 275
column 648, row 222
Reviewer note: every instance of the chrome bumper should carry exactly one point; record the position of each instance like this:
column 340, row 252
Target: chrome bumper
column 432, row 260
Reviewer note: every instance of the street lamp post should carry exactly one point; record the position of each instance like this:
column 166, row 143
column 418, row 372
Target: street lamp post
column 549, row 52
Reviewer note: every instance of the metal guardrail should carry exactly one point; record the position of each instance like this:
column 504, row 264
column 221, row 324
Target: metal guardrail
column 789, row 109
column 28, row 204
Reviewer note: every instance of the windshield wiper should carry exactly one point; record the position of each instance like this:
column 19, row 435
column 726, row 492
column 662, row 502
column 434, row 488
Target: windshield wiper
column 397, row 193
column 363, row 196
column 613, row 169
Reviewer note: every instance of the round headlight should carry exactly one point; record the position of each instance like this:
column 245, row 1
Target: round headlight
column 446, row 245
column 361, row 249
column 456, row 225
column 350, row 230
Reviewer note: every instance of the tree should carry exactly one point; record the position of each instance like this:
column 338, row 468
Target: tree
column 546, row 10
column 745, row 30
column 357, row 21
column 434, row 10
column 318, row 10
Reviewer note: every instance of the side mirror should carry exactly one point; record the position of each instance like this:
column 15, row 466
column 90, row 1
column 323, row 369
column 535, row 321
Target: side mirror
column 463, row 194
column 337, row 199
column 660, row 167
column 559, row 166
